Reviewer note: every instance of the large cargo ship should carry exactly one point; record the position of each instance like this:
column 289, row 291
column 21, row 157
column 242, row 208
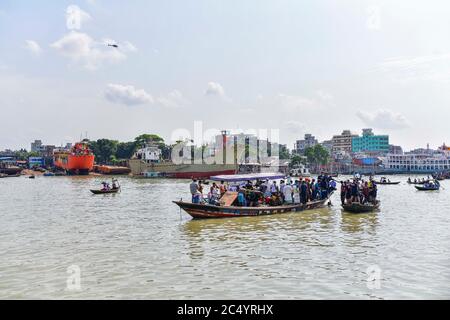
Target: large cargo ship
column 79, row 160
column 147, row 163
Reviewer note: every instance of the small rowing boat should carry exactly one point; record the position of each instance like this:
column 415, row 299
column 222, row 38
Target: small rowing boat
column 387, row 182
column 105, row 191
column 428, row 188
column 361, row 208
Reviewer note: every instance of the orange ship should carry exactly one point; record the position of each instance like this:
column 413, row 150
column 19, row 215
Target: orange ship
column 78, row 160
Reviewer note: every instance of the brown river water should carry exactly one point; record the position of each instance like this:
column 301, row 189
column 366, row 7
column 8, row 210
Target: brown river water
column 138, row 245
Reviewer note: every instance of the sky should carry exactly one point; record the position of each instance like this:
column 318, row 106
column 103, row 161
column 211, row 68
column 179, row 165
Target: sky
column 297, row 66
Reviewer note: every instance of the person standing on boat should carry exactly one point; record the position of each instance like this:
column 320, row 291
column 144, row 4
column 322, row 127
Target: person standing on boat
column 288, row 193
column 193, row 188
column 343, row 191
column 282, row 186
column 274, row 188
column 303, row 193
column 223, row 188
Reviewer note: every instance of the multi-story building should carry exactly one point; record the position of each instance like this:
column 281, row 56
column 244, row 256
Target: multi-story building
column 343, row 143
column 395, row 149
column 36, row 146
column 302, row 145
column 370, row 143
column 419, row 162
column 328, row 145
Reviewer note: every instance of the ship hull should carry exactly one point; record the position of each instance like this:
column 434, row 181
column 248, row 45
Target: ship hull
column 75, row 164
column 182, row 171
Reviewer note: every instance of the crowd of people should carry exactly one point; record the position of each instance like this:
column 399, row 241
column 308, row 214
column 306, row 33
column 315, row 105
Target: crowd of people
column 359, row 191
column 265, row 192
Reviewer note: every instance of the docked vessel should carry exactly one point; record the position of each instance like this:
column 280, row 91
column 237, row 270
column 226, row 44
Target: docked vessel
column 79, row 160
column 147, row 162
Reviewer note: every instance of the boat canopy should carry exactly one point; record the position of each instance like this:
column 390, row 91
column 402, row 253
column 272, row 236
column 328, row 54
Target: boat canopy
column 251, row 176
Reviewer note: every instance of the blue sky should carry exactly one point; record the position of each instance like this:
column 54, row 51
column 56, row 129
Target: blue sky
column 299, row 66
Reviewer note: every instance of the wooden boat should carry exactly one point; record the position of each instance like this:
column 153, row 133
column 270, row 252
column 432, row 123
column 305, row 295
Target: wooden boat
column 424, row 188
column 361, row 208
column 417, row 183
column 387, row 182
column 207, row 211
column 105, row 191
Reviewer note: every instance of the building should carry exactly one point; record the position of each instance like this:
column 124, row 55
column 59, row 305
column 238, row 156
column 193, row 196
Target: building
column 395, row 149
column 342, row 143
column 149, row 153
column 36, row 162
column 328, row 145
column 307, row 142
column 419, row 162
column 36, row 146
column 370, row 143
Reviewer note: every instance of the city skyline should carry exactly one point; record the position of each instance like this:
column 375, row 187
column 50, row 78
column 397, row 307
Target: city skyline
column 297, row 66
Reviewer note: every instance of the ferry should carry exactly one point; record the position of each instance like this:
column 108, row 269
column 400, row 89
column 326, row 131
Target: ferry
column 228, row 208
column 79, row 160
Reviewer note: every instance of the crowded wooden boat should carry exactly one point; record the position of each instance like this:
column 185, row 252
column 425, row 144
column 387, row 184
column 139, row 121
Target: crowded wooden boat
column 432, row 185
column 359, row 196
column 256, row 194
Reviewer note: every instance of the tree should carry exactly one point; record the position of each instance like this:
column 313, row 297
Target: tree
column 144, row 138
column 104, row 150
column 317, row 155
column 284, row 152
column 297, row 160
column 125, row 150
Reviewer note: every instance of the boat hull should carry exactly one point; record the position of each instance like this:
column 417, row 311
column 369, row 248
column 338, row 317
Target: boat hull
column 182, row 171
column 105, row 191
column 75, row 164
column 360, row 208
column 388, row 183
column 206, row 211
column 426, row 189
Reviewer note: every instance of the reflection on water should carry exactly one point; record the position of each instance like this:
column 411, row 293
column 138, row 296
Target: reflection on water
column 137, row 244
column 352, row 223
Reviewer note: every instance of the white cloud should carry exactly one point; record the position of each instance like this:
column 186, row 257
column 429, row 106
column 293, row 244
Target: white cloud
column 81, row 48
column 295, row 103
column 294, row 127
column 383, row 119
column 215, row 89
column 127, row 95
column 425, row 67
column 33, row 47
column 174, row 99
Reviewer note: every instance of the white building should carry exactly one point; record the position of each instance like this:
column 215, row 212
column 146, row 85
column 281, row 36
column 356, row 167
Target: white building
column 149, row 153
column 418, row 162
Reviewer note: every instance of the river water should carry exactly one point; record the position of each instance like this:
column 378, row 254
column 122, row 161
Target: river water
column 137, row 245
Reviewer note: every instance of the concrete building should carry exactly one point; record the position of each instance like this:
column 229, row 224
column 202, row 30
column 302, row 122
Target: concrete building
column 342, row 143
column 371, row 143
column 395, row 149
column 307, row 142
column 36, row 146
column 418, row 162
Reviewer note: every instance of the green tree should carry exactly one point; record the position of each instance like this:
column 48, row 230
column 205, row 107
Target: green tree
column 125, row 150
column 317, row 155
column 145, row 138
column 104, row 150
column 297, row 160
